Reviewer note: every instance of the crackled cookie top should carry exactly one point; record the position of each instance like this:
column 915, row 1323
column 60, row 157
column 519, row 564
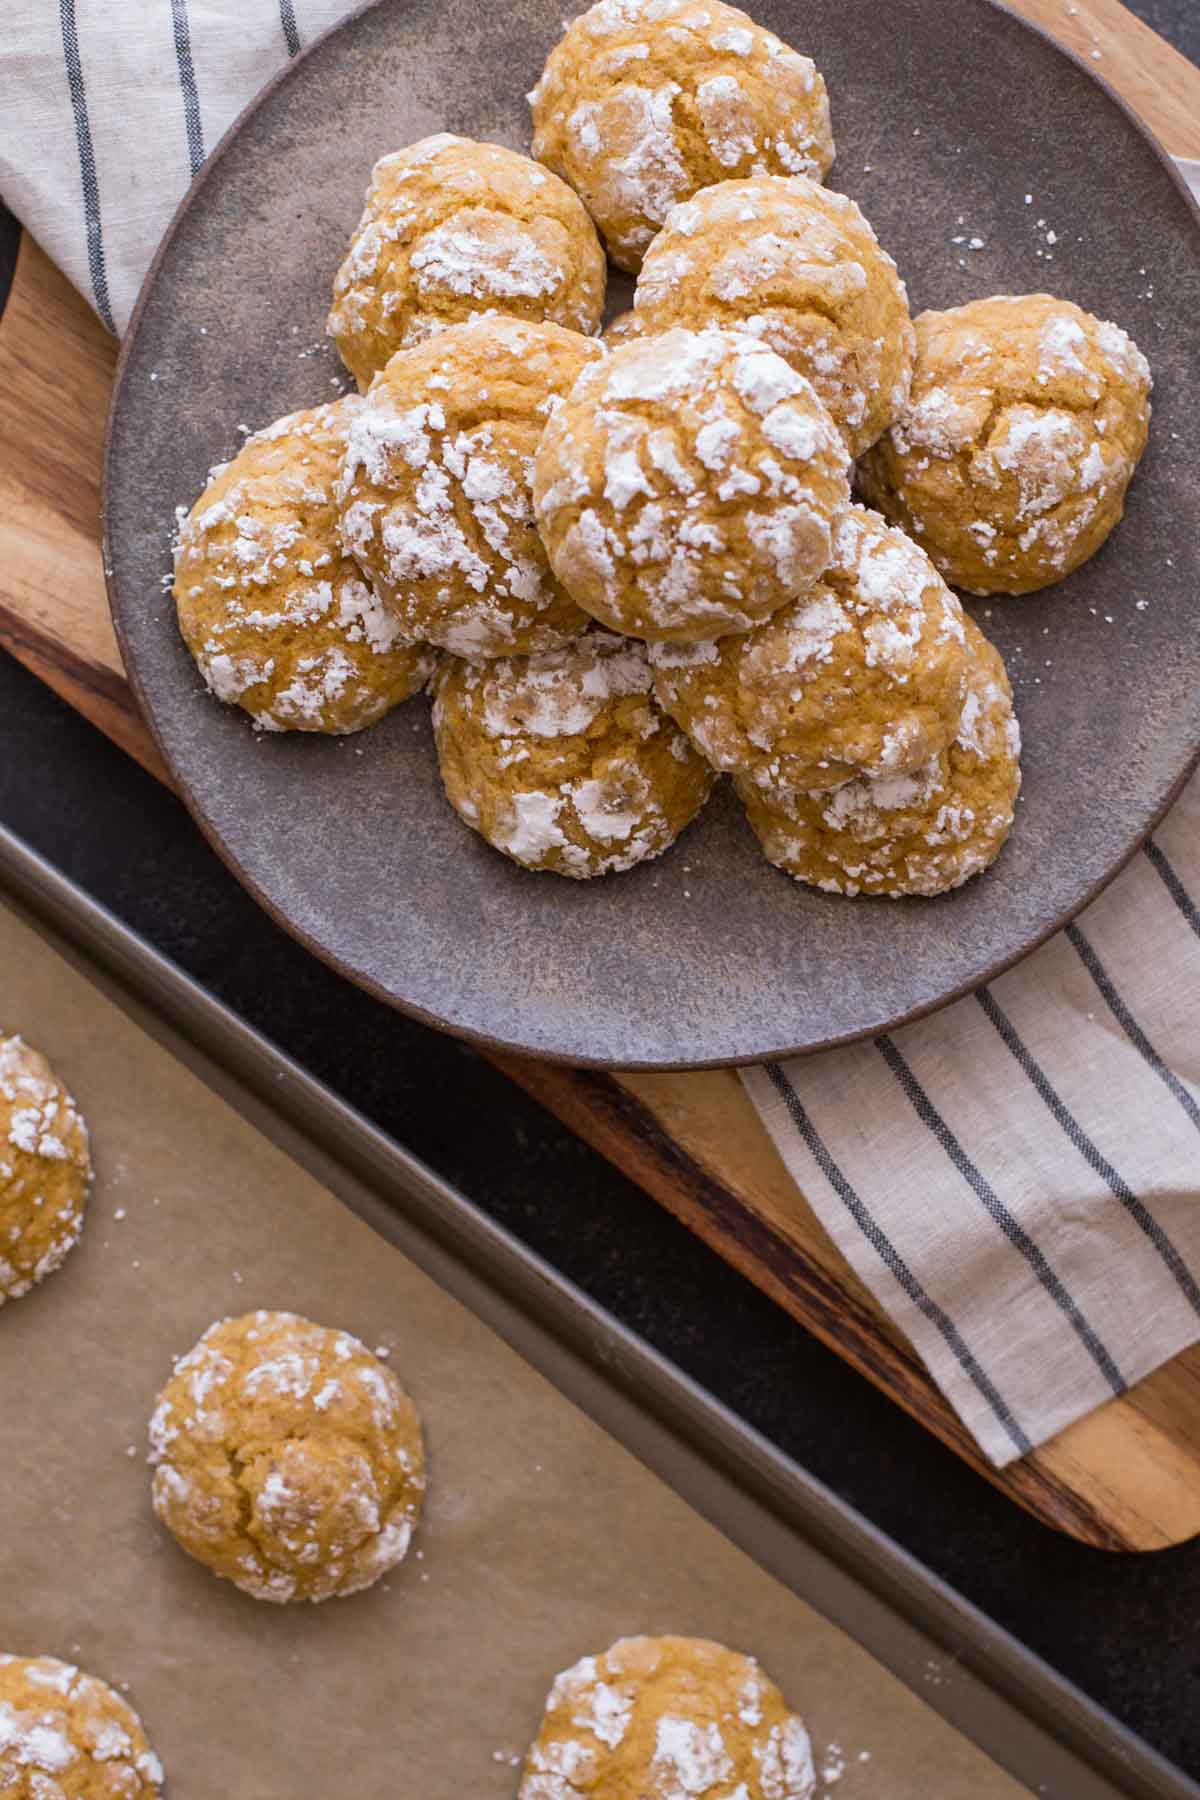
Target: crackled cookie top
column 563, row 761
column 45, row 1169
column 865, row 673
column 642, row 102
column 65, row 1735
column 668, row 1718
column 277, row 616
column 435, row 496
column 454, row 230
column 798, row 266
column 626, row 325
column 920, row 833
column 1025, row 423
column 288, row 1458
column 689, row 485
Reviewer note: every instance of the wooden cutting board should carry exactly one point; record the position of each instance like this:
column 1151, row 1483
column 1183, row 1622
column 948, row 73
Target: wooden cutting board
column 1128, row 1477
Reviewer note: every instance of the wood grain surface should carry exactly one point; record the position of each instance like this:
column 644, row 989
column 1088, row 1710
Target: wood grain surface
column 1128, row 1477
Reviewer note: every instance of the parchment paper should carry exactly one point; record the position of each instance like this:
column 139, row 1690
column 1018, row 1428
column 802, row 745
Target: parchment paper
column 542, row 1538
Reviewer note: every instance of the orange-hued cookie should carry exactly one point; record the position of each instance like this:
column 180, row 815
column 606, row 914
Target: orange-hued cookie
column 798, row 266
column 668, row 1718
column 277, row 616
column 45, row 1169
column 435, row 489
column 921, row 833
column 643, row 102
column 288, row 1458
column 1025, row 423
column 865, row 674
column 564, row 761
column 454, row 230
column 65, row 1735
column 689, row 485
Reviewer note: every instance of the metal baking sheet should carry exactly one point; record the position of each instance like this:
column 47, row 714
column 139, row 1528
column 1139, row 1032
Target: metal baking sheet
column 982, row 1681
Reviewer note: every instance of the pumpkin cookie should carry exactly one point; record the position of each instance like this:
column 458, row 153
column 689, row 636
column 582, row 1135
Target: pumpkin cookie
column 643, row 102
column 799, row 267
column 563, row 761
column 664, row 1718
column 65, row 1735
column 689, row 485
column 288, row 1459
column 626, row 325
column 920, row 833
column 866, row 673
column 277, row 616
column 45, row 1170
column 434, row 494
column 454, row 230
column 1025, row 424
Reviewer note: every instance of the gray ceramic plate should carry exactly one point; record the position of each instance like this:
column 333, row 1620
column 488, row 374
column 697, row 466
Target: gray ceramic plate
column 708, row 955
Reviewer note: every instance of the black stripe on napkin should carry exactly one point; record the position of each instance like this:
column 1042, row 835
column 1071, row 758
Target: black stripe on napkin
column 1173, row 885
column 1129, row 1024
column 1017, row 1236
column 892, row 1259
column 187, row 84
column 291, row 31
column 1116, row 1183
column 87, row 163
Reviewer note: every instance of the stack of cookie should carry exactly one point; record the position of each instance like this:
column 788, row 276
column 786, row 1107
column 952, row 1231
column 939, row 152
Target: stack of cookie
column 636, row 559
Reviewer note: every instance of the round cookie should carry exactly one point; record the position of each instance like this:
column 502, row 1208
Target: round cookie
column 921, row 833
column 65, row 1735
column 454, row 230
column 643, row 102
column 563, row 761
column 288, row 1459
column 277, row 616
column 45, row 1169
column 689, row 485
column 626, row 325
column 866, row 673
column 1025, row 423
column 664, row 1718
column 799, row 267
column 435, row 498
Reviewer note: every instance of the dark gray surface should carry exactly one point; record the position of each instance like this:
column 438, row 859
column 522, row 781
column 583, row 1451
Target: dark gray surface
column 1123, row 1627
column 708, row 955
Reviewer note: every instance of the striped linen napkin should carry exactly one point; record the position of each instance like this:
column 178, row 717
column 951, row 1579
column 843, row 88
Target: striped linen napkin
column 1017, row 1178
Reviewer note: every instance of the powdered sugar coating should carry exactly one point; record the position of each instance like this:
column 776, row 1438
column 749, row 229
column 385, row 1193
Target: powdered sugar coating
column 798, row 267
column 689, row 485
column 65, row 1735
column 287, row 1458
column 668, row 1719
column 45, row 1169
column 277, row 616
column 643, row 102
column 563, row 761
column 1025, row 423
column 863, row 674
column 434, row 491
column 923, row 832
column 455, row 230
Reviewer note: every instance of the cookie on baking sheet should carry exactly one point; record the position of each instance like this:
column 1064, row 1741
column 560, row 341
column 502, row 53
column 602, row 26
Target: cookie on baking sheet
column 65, row 1735
column 45, row 1169
column 1025, row 423
column 921, row 833
column 798, row 266
column 288, row 1458
column 864, row 674
column 665, row 1718
column 277, row 616
column 434, row 495
column 642, row 102
column 564, row 761
column 689, row 485
column 454, row 230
